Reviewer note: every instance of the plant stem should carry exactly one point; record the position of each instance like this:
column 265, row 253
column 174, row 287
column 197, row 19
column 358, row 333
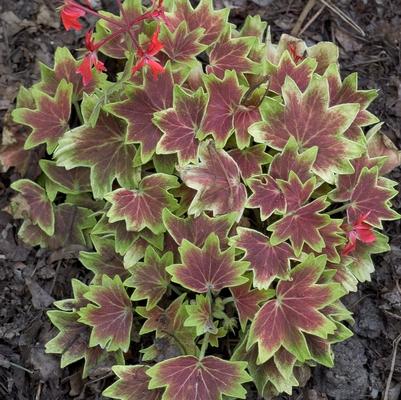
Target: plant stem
column 228, row 300
column 205, row 342
column 79, row 113
column 205, row 345
column 175, row 290
column 338, row 209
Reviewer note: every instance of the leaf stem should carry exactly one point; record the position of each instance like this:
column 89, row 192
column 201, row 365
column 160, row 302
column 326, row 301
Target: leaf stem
column 205, row 342
column 205, row 345
column 228, row 300
column 175, row 290
column 338, row 209
column 79, row 113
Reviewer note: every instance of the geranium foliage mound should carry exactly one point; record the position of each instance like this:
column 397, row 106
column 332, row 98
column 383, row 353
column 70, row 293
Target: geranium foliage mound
column 222, row 192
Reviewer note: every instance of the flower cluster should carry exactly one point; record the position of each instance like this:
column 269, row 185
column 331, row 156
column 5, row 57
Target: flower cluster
column 222, row 193
column 72, row 11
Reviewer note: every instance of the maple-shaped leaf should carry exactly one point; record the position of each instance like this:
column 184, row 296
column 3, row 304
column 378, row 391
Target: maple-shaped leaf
column 182, row 45
column 117, row 47
column 266, row 195
column 39, row 207
column 73, row 181
column 224, row 112
column 224, row 98
column 312, row 122
column 180, row 125
column 253, row 26
column 72, row 340
column 362, row 265
column 49, row 120
column 244, row 117
column 251, row 159
column 69, row 226
column 197, row 229
column 200, row 316
column 103, row 149
column 207, row 268
column 150, row 278
column 289, row 159
column 111, row 318
column 300, row 73
column 345, row 184
column 103, row 261
column 247, row 301
column 139, row 108
column 325, row 53
column 203, row 16
column 142, row 208
column 370, row 198
column 296, row 192
column 132, row 384
column 231, row 54
column 333, row 236
column 295, row 311
column 189, row 377
column 301, row 223
column 217, row 182
column 65, row 66
column 267, row 261
column 347, row 91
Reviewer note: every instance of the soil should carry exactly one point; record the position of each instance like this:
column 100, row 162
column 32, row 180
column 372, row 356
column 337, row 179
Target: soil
column 31, row 279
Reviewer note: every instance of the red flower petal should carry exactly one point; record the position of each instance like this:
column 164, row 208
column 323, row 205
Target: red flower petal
column 85, row 69
column 351, row 245
column 365, row 233
column 156, row 68
column 69, row 16
column 155, row 45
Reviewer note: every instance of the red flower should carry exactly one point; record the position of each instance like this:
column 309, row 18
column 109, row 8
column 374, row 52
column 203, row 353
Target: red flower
column 360, row 231
column 70, row 13
column 90, row 60
column 292, row 48
column 147, row 57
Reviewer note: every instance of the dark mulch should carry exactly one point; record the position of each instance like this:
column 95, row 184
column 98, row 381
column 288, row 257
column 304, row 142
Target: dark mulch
column 31, row 279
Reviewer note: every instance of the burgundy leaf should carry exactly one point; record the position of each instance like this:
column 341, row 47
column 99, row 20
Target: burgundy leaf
column 247, row 302
column 250, row 160
column 267, row 261
column 197, row 229
column 217, row 181
column 138, row 109
column 188, row 377
column 180, row 125
column 207, row 268
column 266, row 195
column 142, row 208
column 283, row 321
column 111, row 317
